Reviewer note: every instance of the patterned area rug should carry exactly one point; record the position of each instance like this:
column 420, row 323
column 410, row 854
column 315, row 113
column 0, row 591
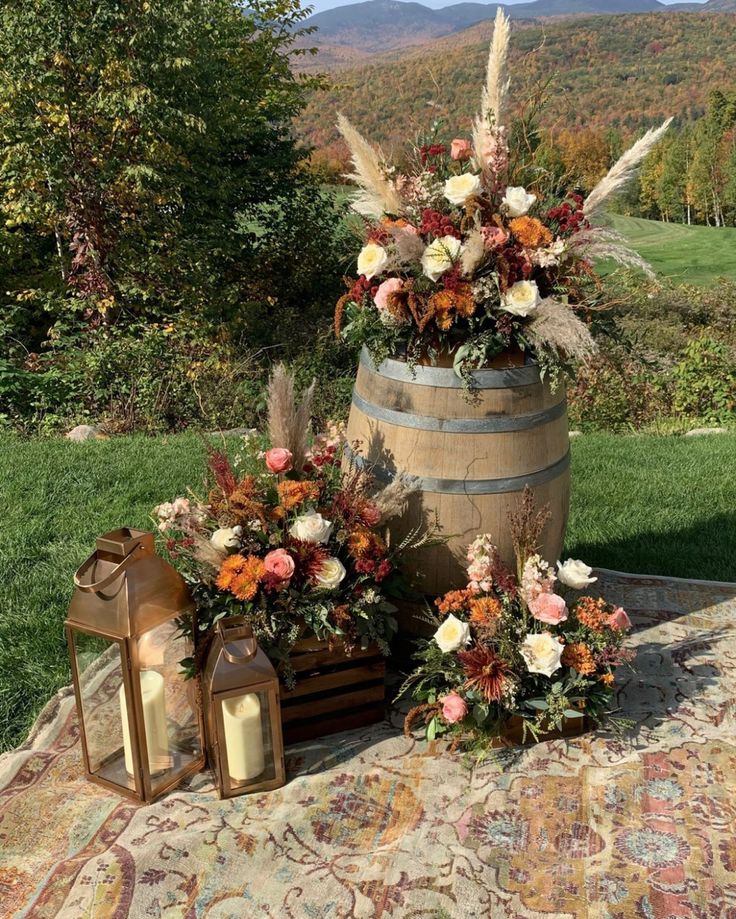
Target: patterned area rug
column 373, row 824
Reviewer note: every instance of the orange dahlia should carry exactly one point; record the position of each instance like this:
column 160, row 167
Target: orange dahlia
column 530, row 232
column 362, row 543
column 292, row 494
column 241, row 575
column 484, row 610
column 578, row 656
column 607, row 678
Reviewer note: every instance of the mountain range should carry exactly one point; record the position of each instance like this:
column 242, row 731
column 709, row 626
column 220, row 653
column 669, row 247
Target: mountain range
column 376, row 26
column 602, row 72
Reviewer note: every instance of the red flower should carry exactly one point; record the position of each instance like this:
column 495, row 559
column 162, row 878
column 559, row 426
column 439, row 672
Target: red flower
column 383, row 570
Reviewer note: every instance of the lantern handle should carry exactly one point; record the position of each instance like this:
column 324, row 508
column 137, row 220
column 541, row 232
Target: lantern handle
column 96, row 586
column 236, row 630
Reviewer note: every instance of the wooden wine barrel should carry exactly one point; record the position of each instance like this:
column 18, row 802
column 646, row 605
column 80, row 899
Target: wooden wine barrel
column 473, row 455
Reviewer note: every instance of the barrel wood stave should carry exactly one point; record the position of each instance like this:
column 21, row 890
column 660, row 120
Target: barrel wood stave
column 474, row 456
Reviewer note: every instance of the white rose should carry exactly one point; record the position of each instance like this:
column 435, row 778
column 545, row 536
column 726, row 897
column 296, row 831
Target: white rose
column 226, row 539
column 452, row 634
column 372, row 259
column 331, row 573
column 517, row 201
column 521, row 298
column 459, row 188
column 542, row 653
column 311, row 527
column 440, row 256
column 575, row 574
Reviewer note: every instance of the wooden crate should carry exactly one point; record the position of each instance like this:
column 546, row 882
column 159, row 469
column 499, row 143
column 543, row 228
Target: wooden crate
column 333, row 692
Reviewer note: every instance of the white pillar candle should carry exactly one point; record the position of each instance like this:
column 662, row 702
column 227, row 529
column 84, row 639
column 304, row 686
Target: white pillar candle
column 154, row 720
column 243, row 736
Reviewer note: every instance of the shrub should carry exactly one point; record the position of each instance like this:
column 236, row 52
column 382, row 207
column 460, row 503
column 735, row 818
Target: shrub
column 705, row 381
column 615, row 392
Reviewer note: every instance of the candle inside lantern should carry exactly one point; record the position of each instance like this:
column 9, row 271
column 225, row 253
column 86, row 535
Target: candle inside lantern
column 154, row 720
column 243, row 736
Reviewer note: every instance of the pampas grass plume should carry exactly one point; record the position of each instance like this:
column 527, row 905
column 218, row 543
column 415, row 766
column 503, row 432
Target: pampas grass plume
column 288, row 422
column 377, row 195
column 623, row 170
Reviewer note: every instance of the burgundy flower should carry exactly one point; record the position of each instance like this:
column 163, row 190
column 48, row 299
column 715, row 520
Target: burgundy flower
column 485, row 671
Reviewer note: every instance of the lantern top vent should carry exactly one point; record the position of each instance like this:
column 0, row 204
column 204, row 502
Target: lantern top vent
column 124, row 589
column 235, row 660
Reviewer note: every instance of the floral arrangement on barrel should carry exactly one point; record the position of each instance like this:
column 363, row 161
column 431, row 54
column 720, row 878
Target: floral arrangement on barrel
column 290, row 540
column 525, row 651
column 465, row 253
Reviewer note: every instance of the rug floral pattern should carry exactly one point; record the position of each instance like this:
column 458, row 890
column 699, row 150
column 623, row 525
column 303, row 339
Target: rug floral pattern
column 372, row 824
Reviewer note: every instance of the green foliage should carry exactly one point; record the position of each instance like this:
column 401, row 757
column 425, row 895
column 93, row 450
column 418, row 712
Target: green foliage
column 149, row 180
column 671, row 355
column 705, row 381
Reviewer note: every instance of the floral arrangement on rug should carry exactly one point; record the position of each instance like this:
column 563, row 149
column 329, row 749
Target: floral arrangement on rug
column 467, row 252
column 288, row 539
column 524, row 649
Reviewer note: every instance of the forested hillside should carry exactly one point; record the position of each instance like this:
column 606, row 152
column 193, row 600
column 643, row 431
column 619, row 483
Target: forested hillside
column 623, row 72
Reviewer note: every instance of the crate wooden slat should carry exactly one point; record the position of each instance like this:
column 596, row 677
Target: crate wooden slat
column 334, row 692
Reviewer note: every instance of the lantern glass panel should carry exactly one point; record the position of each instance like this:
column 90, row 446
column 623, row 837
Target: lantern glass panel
column 99, row 665
column 246, row 738
column 170, row 711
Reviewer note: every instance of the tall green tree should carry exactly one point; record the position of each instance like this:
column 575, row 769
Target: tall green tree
column 140, row 142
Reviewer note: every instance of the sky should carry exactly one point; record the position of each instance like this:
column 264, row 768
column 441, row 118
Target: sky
column 320, row 5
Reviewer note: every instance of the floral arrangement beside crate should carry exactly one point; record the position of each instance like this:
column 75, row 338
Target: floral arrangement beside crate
column 472, row 251
column 522, row 652
column 289, row 540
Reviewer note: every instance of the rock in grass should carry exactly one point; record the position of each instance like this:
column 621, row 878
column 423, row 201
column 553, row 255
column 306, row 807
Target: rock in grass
column 234, row 432
column 700, row 432
column 86, row 432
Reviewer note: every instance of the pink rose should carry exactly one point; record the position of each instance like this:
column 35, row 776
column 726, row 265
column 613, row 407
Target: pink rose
column 384, row 291
column 548, row 608
column 494, row 237
column 453, row 708
column 370, row 514
column 279, row 564
column 279, row 459
column 460, row 149
column 619, row 620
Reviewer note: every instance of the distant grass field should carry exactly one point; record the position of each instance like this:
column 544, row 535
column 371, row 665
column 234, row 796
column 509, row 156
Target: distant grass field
column 694, row 255
column 657, row 505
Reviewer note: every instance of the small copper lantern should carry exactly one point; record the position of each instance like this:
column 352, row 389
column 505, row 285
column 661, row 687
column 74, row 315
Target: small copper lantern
column 141, row 727
column 240, row 690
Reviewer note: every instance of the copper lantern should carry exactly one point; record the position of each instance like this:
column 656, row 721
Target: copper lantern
column 141, row 727
column 240, row 691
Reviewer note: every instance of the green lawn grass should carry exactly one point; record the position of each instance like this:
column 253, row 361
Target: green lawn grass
column 695, row 254
column 658, row 505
